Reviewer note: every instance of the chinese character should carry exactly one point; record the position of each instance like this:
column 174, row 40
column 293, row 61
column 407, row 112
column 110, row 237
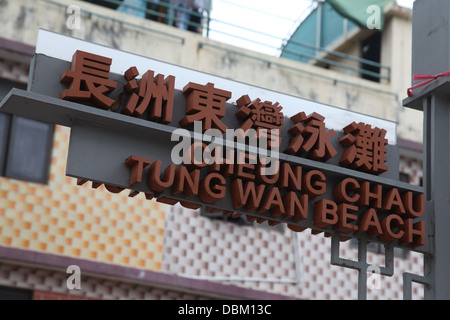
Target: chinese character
column 311, row 136
column 89, row 80
column 366, row 148
column 153, row 93
column 261, row 115
column 206, row 104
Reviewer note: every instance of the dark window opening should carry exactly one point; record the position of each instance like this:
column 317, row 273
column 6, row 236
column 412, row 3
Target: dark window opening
column 25, row 144
column 107, row 3
column 7, row 293
column 371, row 50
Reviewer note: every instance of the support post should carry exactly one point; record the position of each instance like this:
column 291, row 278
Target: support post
column 431, row 55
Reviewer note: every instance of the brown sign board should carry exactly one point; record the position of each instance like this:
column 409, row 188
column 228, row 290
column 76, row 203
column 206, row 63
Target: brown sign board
column 123, row 127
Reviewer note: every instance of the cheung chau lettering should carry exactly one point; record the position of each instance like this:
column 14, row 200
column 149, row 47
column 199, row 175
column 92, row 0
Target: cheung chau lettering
column 356, row 207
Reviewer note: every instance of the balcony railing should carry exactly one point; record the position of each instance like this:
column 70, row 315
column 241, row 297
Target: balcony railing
column 185, row 15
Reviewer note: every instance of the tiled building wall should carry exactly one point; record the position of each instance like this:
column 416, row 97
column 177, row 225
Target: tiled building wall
column 264, row 259
column 51, row 285
column 65, row 219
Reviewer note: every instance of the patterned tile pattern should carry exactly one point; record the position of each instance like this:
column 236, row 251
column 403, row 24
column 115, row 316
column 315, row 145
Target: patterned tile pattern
column 63, row 218
column 197, row 246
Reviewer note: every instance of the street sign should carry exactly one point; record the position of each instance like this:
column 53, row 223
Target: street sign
column 181, row 136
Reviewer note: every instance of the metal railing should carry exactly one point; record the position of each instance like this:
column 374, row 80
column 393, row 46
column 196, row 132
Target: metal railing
column 165, row 12
column 385, row 71
column 202, row 21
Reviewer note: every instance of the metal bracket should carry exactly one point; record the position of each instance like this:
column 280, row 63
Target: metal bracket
column 408, row 279
column 361, row 265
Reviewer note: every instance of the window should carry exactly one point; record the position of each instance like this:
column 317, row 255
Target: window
column 7, row 293
column 25, row 145
column 371, row 50
column 106, row 3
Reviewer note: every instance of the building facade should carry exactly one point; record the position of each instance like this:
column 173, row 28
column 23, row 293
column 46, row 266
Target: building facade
column 131, row 248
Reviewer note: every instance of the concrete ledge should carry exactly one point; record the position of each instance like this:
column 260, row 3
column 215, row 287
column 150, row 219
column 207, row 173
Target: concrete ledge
column 173, row 282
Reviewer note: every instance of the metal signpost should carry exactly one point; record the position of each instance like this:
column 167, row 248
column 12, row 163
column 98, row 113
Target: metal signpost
column 430, row 63
column 338, row 170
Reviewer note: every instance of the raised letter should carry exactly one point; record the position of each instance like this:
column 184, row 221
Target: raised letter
column 273, row 202
column 211, row 194
column 414, row 206
column 186, row 182
column 414, row 233
column 137, row 167
column 392, row 201
column 295, row 207
column 314, row 187
column 154, row 177
column 342, row 191
column 290, row 179
column 369, row 223
column 246, row 195
column 325, row 213
column 370, row 196
column 386, row 224
column 345, row 218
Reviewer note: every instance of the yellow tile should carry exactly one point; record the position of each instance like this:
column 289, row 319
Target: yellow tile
column 69, row 224
column 117, row 250
column 141, row 263
column 93, row 237
column 7, row 241
column 100, row 246
column 92, row 254
column 60, row 231
column 59, row 249
column 42, row 246
column 74, row 251
column 25, row 225
column 125, row 260
column 85, row 244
